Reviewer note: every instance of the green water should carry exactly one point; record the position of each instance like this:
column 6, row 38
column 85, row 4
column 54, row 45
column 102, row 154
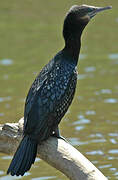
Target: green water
column 30, row 35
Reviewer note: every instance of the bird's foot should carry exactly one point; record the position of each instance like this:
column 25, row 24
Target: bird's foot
column 60, row 137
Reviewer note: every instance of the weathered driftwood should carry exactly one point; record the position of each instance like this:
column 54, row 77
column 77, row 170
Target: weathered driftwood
column 56, row 152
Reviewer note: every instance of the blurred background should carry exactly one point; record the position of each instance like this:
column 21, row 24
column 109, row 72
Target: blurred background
column 30, row 35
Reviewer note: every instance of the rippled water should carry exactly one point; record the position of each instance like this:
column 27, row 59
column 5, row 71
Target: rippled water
column 6, row 62
column 30, row 34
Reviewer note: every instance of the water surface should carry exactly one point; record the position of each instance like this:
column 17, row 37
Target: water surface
column 30, row 35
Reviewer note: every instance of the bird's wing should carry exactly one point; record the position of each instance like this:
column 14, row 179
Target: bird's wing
column 41, row 111
column 34, row 90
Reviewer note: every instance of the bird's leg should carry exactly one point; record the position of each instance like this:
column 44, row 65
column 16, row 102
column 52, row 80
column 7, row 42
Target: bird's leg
column 56, row 133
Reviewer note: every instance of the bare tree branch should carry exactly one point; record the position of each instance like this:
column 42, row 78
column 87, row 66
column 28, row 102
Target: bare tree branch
column 55, row 152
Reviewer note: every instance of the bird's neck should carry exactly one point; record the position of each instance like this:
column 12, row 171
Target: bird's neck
column 72, row 48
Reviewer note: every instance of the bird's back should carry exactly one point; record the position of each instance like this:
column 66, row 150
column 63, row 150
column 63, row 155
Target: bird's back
column 49, row 97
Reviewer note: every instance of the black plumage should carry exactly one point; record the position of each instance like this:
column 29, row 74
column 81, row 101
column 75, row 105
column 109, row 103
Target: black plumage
column 49, row 97
column 52, row 91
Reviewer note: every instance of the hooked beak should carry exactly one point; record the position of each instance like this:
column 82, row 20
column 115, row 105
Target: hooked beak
column 96, row 10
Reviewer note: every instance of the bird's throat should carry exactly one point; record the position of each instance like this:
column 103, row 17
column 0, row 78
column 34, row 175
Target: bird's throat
column 72, row 48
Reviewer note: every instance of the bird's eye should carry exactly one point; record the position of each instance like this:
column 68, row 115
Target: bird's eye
column 90, row 9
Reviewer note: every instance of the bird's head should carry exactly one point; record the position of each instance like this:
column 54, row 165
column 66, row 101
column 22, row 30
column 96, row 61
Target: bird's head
column 77, row 18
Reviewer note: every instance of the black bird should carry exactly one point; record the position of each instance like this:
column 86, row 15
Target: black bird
column 52, row 91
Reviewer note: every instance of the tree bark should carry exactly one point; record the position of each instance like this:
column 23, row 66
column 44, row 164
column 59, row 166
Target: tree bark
column 55, row 152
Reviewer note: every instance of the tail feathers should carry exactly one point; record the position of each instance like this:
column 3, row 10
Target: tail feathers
column 23, row 158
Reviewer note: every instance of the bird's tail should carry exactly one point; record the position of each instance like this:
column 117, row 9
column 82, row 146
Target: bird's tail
column 23, row 158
